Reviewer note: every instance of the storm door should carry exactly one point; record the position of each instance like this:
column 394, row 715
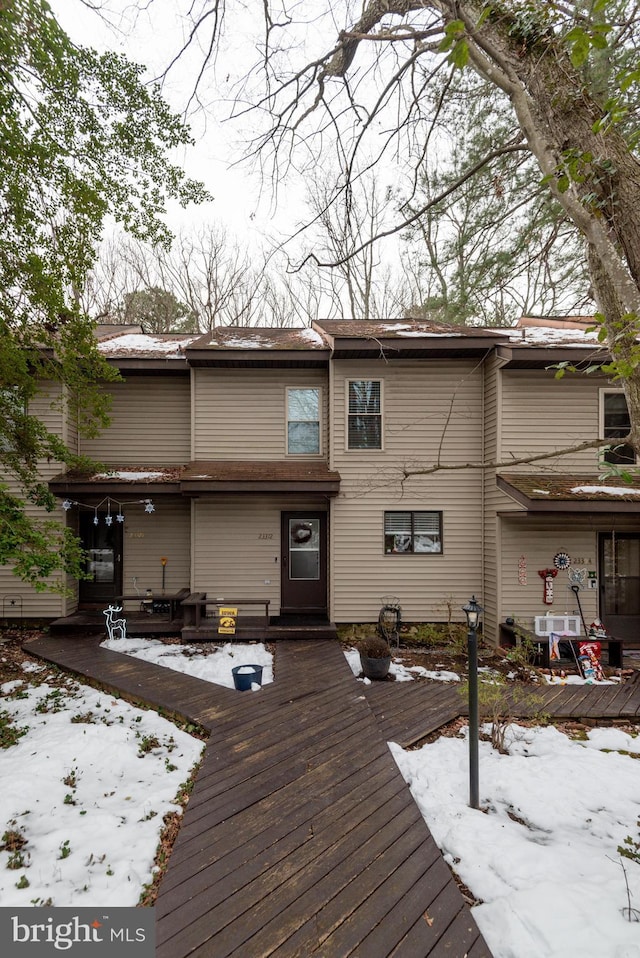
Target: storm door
column 620, row 584
column 304, row 563
column 103, row 544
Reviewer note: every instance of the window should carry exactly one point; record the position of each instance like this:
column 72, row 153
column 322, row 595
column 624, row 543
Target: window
column 13, row 413
column 364, row 428
column 303, row 421
column 615, row 424
column 412, row 532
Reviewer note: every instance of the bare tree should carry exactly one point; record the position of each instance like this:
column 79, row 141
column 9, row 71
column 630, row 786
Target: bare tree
column 370, row 86
column 203, row 280
column 365, row 284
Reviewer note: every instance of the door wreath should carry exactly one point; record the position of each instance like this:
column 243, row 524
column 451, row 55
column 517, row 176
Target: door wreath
column 301, row 533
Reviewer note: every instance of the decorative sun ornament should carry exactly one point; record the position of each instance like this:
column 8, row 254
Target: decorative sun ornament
column 66, row 505
column 149, row 506
column 562, row 560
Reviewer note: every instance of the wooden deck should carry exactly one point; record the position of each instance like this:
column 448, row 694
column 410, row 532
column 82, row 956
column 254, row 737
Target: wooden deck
column 408, row 712
column 300, row 838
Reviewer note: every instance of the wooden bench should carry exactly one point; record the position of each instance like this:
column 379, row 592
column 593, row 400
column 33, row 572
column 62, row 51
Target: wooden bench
column 197, row 603
column 510, row 636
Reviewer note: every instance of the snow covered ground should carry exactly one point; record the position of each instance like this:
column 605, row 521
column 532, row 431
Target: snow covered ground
column 541, row 854
column 85, row 787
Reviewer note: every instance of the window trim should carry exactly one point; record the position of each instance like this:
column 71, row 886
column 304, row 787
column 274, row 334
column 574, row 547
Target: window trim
column 413, row 512
column 305, row 455
column 363, row 449
column 602, row 393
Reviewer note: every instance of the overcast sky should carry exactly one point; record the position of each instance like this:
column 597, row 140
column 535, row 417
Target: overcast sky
column 153, row 36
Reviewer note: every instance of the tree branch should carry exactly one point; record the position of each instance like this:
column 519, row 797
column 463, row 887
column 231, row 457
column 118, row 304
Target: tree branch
column 494, row 154
column 409, row 472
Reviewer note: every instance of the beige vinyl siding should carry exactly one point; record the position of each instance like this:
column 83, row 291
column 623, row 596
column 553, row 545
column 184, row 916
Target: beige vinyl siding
column 242, row 413
column 17, row 598
column 236, row 547
column 149, row 537
column 150, row 423
column 538, row 540
column 541, row 413
column 492, row 416
column 430, row 410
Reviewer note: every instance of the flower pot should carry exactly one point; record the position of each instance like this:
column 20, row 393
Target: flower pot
column 375, row 668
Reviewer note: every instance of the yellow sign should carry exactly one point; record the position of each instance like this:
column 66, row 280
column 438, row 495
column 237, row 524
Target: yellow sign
column 227, row 620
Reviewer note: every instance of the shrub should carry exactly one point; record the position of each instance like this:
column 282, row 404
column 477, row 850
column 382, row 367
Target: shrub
column 374, row 647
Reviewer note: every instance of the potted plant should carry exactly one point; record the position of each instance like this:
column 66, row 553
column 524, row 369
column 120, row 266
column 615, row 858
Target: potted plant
column 375, row 657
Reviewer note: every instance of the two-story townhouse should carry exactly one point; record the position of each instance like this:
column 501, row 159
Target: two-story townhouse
column 325, row 468
column 564, row 514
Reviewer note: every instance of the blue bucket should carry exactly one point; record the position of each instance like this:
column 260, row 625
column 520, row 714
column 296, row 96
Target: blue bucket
column 245, row 675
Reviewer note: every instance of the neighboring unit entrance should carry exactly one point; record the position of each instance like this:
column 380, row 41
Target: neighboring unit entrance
column 304, row 563
column 620, row 584
column 103, row 545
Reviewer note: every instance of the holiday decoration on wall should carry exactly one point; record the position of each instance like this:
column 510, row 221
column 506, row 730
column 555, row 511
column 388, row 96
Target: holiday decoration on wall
column 522, row 570
column 562, row 560
column 301, row 533
column 577, row 576
column 110, row 504
column 548, row 575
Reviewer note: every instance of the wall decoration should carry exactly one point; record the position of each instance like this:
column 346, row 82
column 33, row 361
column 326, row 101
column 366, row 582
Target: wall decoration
column 522, row 570
column 301, row 532
column 562, row 560
column 577, row 576
column 548, row 575
column 119, row 516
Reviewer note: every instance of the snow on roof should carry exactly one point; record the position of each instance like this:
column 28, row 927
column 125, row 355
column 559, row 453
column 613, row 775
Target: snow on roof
column 245, row 342
column 226, row 337
column 607, row 490
column 130, row 475
column 139, row 344
column 550, row 336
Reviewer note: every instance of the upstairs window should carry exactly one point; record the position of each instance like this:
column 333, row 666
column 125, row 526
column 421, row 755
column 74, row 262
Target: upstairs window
column 303, row 421
column 615, row 425
column 364, row 427
column 412, row 532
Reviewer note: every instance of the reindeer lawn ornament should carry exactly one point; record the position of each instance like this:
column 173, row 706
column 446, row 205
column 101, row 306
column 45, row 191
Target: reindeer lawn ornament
column 116, row 628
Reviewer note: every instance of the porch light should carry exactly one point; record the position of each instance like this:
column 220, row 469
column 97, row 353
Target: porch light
column 472, row 611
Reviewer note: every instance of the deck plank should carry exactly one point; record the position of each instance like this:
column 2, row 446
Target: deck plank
column 301, row 839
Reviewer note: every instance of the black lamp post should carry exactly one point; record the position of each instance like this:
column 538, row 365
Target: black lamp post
column 472, row 611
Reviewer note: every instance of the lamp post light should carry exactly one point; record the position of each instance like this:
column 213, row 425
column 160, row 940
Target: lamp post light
column 472, row 611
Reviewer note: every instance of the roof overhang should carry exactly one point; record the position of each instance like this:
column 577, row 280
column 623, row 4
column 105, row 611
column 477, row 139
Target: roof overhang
column 540, row 494
column 392, row 349
column 239, row 477
column 259, row 358
column 122, row 482
column 289, row 477
column 525, row 356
